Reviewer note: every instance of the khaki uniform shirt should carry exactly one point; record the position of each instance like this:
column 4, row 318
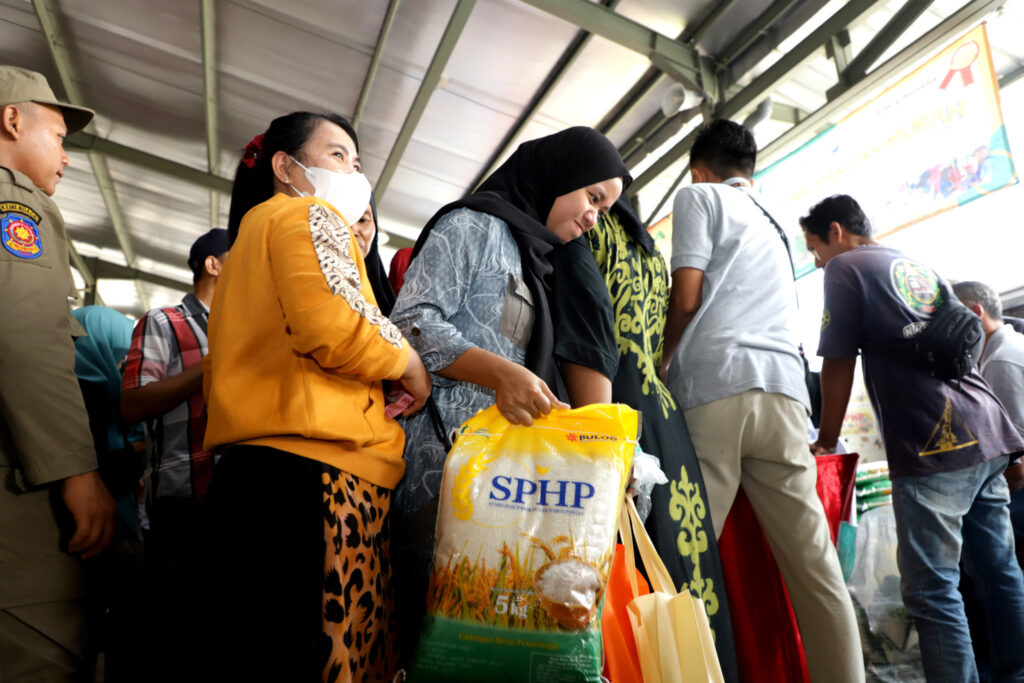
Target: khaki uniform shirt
column 44, row 427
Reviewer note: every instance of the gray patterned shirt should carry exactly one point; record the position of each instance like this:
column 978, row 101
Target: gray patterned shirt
column 463, row 290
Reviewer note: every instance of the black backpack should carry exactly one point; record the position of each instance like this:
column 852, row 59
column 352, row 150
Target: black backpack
column 947, row 347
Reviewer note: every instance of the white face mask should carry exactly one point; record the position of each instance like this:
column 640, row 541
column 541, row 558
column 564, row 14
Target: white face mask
column 348, row 193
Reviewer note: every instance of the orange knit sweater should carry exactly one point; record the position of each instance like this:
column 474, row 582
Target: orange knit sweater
column 298, row 346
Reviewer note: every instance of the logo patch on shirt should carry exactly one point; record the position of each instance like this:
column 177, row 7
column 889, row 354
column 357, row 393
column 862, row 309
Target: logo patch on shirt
column 916, row 285
column 913, row 329
column 826, row 318
column 19, row 231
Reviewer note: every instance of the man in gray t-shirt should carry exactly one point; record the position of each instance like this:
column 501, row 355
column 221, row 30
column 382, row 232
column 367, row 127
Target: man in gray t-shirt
column 732, row 360
column 1002, row 366
column 1002, row 361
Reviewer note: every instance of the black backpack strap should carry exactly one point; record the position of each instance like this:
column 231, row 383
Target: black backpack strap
column 904, row 350
column 439, row 430
column 778, row 229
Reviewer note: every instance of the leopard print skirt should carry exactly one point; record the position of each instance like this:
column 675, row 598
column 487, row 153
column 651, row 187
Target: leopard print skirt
column 357, row 596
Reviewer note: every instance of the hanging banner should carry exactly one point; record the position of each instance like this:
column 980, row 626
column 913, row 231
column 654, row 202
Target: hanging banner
column 932, row 142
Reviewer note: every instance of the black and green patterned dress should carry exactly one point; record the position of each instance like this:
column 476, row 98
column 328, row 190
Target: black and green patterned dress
column 636, row 279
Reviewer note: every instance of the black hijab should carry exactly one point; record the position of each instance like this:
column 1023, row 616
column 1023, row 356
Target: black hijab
column 375, row 270
column 521, row 192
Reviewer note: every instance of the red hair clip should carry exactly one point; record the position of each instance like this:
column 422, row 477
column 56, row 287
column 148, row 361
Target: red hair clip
column 253, row 151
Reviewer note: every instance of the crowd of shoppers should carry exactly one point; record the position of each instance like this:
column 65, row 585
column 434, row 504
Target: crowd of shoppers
column 297, row 410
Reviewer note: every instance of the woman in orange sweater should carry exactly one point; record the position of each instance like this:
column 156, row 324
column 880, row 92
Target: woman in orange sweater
column 298, row 348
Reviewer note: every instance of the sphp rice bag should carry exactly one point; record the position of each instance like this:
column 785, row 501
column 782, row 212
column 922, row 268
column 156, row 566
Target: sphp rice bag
column 525, row 536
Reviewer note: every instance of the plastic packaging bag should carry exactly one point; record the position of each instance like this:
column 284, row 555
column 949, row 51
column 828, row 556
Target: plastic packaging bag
column 873, row 486
column 887, row 633
column 647, row 473
column 525, row 538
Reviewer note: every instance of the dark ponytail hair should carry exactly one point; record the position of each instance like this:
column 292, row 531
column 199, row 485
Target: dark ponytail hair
column 254, row 178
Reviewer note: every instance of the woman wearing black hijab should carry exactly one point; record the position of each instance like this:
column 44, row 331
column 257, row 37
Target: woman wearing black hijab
column 375, row 271
column 475, row 305
column 633, row 272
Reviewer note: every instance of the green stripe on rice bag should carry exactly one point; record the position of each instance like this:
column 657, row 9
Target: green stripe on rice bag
column 525, row 535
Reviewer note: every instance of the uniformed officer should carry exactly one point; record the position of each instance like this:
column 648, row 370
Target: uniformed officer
column 54, row 509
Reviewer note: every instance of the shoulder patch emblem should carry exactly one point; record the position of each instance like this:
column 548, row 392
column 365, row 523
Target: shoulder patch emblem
column 916, row 285
column 19, row 230
column 826, row 318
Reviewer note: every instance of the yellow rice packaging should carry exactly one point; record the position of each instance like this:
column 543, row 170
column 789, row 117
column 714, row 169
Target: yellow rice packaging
column 524, row 542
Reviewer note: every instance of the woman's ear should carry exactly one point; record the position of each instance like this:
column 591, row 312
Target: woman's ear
column 282, row 165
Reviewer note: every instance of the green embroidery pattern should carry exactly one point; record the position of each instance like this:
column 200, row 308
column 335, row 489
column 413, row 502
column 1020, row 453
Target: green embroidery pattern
column 638, row 288
column 687, row 507
column 639, row 292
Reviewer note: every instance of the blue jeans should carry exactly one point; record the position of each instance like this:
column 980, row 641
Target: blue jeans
column 1017, row 514
column 940, row 517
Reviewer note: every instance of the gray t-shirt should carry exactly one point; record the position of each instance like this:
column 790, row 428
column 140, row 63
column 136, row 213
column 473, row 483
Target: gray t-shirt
column 1002, row 366
column 744, row 335
column 874, row 293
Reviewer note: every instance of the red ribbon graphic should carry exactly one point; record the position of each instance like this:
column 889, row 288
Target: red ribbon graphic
column 961, row 63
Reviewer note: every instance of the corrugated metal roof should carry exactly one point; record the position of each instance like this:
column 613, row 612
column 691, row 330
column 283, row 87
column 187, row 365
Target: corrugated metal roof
column 140, row 65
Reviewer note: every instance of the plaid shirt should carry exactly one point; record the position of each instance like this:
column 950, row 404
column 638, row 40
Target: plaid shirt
column 165, row 343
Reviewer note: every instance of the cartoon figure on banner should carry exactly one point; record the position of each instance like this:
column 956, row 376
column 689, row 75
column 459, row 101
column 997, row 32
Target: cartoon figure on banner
column 982, row 171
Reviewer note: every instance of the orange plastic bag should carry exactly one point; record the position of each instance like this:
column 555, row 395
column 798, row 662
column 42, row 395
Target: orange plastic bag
column 621, row 661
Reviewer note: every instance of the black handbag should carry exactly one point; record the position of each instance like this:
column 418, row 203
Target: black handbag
column 947, row 347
